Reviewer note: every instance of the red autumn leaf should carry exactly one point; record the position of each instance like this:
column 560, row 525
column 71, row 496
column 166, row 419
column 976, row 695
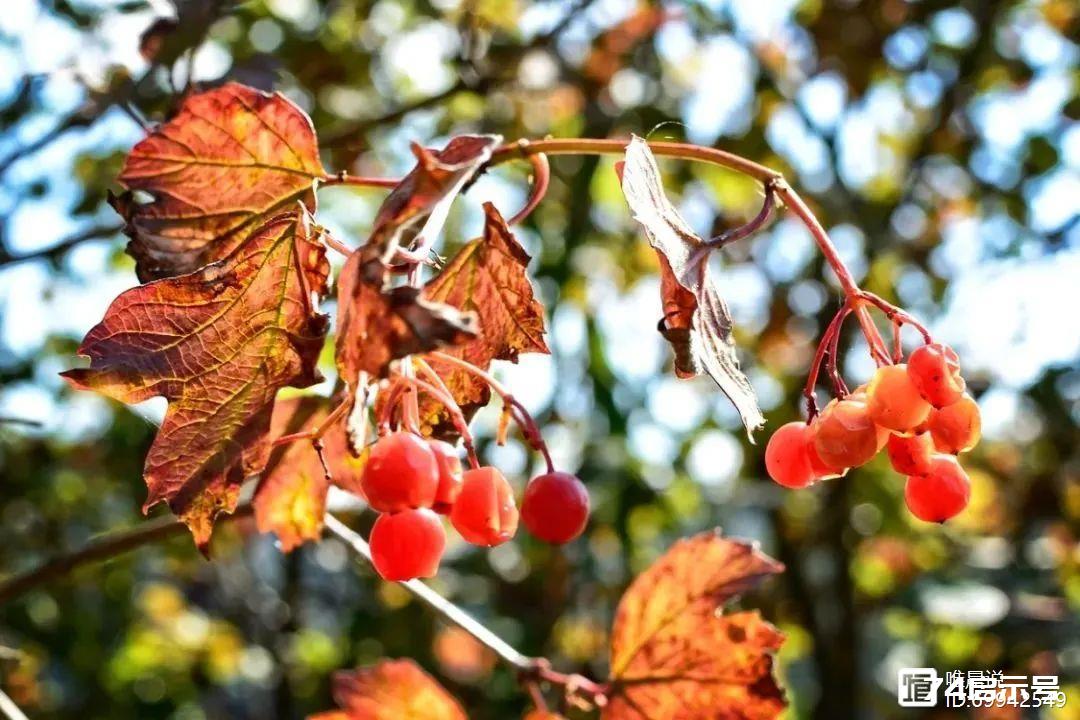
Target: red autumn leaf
column 218, row 344
column 418, row 206
column 231, row 157
column 377, row 325
column 696, row 319
column 674, row 654
column 391, row 690
column 486, row 277
column 290, row 500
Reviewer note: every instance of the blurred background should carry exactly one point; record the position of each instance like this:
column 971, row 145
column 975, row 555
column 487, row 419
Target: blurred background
column 937, row 141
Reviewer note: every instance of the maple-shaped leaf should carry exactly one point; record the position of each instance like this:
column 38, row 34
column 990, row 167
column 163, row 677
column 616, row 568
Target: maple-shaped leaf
column 218, row 343
column 391, row 690
column 417, row 207
column 487, row 277
column 675, row 655
column 377, row 325
column 290, row 500
column 696, row 319
column 231, row 157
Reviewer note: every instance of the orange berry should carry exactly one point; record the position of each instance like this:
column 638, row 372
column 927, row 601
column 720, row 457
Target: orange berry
column 845, row 435
column 893, row 400
column 935, row 371
column 910, row 454
column 956, row 428
column 939, row 494
column 786, row 458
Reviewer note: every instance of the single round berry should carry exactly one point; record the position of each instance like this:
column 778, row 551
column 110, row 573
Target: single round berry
column 822, row 471
column 400, row 473
column 845, row 436
column 939, row 494
column 956, row 428
column 910, row 454
column 893, row 400
column 408, row 544
column 485, row 513
column 555, row 507
column 935, row 371
column 787, row 459
column 449, row 476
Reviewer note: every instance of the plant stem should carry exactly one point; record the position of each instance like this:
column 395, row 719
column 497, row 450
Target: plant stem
column 343, row 178
column 517, row 411
column 104, row 548
column 9, row 709
column 529, row 668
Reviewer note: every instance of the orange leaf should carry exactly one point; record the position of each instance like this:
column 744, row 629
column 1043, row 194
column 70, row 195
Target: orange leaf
column 391, row 690
column 230, row 157
column 218, row 344
column 543, row 715
column 696, row 320
column 290, row 500
column 417, row 207
column 673, row 654
column 487, row 277
column 377, row 325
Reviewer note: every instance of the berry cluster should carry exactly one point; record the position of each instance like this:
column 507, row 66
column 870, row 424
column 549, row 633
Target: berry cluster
column 917, row 411
column 411, row 480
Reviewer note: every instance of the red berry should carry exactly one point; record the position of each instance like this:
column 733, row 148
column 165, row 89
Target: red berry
column 934, row 370
column 485, row 513
column 893, row 400
column 845, row 436
column 956, row 428
column 555, row 507
column 408, row 544
column 787, row 459
column 449, row 476
column 401, row 473
column 939, row 494
column 822, row 471
column 910, row 454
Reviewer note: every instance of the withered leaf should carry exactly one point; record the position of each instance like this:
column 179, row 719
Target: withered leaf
column 377, row 325
column 696, row 319
column 218, row 343
column 488, row 277
column 391, row 690
column 418, row 206
column 231, row 157
column 290, row 500
column 673, row 652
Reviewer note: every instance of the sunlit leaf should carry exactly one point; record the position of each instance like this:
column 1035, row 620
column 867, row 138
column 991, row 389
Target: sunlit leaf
column 290, row 500
column 230, row 157
column 674, row 654
column 544, row 715
column 377, row 325
column 391, row 690
column 696, row 320
column 488, row 277
column 418, row 206
column 218, row 344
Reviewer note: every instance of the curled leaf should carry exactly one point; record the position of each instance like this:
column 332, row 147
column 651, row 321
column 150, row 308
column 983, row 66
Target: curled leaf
column 673, row 652
column 231, row 157
column 377, row 325
column 418, row 206
column 391, row 690
column 487, row 277
column 290, row 500
column 696, row 319
column 218, row 344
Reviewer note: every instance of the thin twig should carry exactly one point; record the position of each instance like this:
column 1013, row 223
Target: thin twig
column 59, row 249
column 104, row 548
column 10, row 710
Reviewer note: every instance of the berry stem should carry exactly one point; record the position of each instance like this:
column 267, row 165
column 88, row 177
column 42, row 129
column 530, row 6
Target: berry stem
column 530, row 669
column 321, row 429
column 521, row 416
column 456, row 416
column 541, row 178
